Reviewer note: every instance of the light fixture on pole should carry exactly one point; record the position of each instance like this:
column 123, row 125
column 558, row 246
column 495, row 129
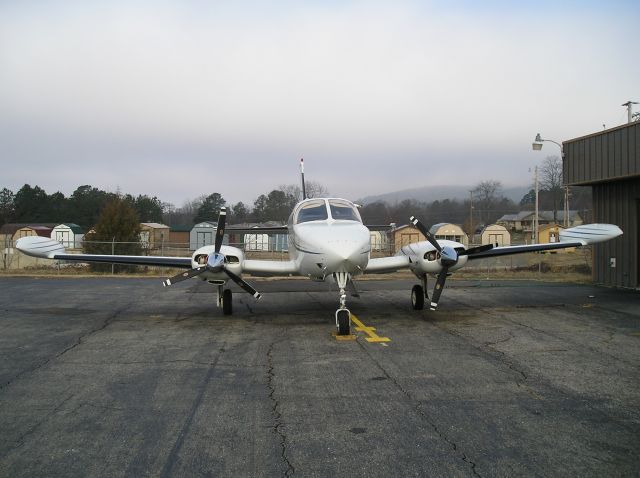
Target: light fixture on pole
column 537, row 143
column 537, row 146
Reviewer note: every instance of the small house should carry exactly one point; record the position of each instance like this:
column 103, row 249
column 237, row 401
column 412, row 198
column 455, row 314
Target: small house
column 495, row 234
column 69, row 234
column 451, row 232
column 153, row 235
column 379, row 241
column 405, row 235
column 204, row 234
column 549, row 233
column 32, row 230
column 179, row 235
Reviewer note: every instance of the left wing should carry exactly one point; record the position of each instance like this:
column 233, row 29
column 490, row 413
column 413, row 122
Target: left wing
column 573, row 237
column 382, row 265
column 45, row 248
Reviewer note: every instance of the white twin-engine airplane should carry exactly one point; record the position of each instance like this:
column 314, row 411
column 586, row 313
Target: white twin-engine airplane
column 327, row 241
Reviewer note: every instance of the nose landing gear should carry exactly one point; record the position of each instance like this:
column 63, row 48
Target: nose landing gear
column 343, row 315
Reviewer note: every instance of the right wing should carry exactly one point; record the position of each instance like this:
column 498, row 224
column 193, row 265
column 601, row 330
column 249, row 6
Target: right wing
column 45, row 248
column 266, row 268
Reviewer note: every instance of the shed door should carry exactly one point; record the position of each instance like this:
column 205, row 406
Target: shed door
column 204, row 238
column 496, row 238
column 64, row 237
column 406, row 239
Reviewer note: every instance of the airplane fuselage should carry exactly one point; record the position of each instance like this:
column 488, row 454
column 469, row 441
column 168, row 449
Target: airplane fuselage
column 328, row 241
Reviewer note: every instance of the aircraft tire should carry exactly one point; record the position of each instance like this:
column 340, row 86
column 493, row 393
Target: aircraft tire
column 417, row 297
column 343, row 320
column 227, row 302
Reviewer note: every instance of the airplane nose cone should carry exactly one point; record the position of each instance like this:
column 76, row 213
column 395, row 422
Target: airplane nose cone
column 347, row 255
column 347, row 251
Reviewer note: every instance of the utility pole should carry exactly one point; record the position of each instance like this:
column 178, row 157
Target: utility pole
column 535, row 238
column 471, row 214
column 629, row 106
column 566, row 206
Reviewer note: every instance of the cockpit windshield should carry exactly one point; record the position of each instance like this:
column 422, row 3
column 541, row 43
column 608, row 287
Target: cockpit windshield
column 343, row 210
column 312, row 211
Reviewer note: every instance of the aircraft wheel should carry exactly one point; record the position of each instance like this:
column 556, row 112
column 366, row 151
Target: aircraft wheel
column 343, row 320
column 227, row 304
column 417, row 297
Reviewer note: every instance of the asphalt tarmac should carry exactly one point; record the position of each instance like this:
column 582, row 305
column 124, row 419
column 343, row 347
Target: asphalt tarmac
column 122, row 377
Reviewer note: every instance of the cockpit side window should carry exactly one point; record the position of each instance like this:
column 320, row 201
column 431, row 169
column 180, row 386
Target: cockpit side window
column 312, row 211
column 342, row 210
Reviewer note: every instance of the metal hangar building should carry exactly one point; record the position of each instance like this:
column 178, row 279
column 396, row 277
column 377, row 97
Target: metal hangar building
column 609, row 162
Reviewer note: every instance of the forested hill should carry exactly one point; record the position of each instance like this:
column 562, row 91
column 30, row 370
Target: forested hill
column 439, row 193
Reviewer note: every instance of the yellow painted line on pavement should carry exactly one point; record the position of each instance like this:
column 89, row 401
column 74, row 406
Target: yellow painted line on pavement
column 370, row 331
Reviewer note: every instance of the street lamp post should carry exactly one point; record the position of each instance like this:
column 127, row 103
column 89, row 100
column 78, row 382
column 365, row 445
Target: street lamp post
column 537, row 146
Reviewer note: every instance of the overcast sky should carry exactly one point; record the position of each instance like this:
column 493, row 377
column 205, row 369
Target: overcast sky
column 180, row 99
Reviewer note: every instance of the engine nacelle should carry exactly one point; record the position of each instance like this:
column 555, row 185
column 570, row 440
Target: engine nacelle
column 233, row 259
column 426, row 259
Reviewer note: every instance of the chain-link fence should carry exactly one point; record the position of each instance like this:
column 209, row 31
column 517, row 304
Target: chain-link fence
column 575, row 261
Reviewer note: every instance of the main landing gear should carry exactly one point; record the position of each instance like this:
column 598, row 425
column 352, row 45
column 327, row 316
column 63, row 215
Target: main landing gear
column 419, row 294
column 343, row 315
column 225, row 300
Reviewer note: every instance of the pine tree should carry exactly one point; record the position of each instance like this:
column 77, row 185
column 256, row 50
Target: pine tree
column 118, row 227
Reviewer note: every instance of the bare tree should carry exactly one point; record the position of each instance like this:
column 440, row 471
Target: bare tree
column 313, row 190
column 485, row 197
column 551, row 181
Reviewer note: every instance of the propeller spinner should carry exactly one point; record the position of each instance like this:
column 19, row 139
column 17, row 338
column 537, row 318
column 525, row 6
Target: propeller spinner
column 215, row 262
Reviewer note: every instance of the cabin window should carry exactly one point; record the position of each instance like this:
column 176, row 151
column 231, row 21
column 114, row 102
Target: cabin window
column 343, row 211
column 312, row 211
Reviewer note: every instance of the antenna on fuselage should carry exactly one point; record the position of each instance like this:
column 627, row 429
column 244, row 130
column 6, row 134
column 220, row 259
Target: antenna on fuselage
column 304, row 192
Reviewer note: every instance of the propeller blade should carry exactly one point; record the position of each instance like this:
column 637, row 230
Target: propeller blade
column 437, row 290
column 242, row 283
column 421, row 227
column 222, row 218
column 184, row 276
column 475, row 250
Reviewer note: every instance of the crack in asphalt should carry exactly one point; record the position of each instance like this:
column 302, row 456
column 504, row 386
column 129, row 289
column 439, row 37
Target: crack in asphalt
column 172, row 458
column 105, row 323
column 277, row 415
column 140, row 362
column 21, row 439
column 417, row 408
column 487, row 349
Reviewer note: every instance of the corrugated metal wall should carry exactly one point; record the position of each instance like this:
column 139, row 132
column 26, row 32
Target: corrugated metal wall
column 611, row 154
column 618, row 202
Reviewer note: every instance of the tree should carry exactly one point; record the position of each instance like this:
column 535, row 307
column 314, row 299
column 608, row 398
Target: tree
column 551, row 180
column 210, row 208
column 118, row 226
column 486, row 195
column 31, row 204
column 376, row 213
column 148, row 209
column 57, row 208
column 85, row 204
column 6, row 206
column 240, row 213
column 275, row 207
column 181, row 215
column 529, row 199
column 312, row 188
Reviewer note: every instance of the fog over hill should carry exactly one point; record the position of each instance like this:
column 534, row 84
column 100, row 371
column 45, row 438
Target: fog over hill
column 433, row 193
